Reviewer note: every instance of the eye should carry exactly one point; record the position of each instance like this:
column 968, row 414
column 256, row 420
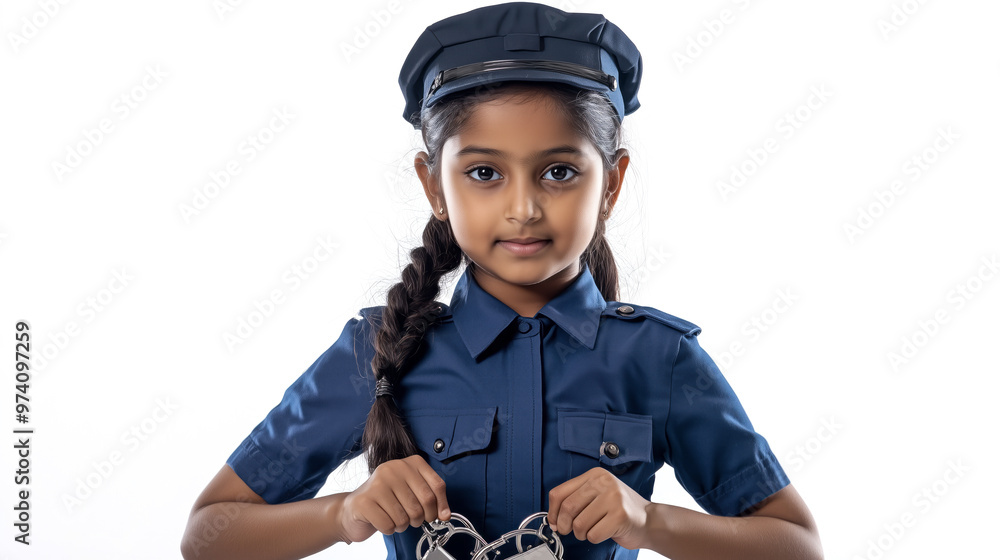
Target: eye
column 562, row 176
column 482, row 174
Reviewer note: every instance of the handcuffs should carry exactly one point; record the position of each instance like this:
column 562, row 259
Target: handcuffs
column 438, row 532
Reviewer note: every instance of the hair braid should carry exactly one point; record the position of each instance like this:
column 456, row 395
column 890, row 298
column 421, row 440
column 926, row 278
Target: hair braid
column 409, row 312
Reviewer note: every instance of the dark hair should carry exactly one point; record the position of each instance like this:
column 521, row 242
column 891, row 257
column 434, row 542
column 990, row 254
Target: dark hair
column 411, row 307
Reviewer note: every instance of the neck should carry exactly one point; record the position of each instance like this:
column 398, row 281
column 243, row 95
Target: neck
column 526, row 300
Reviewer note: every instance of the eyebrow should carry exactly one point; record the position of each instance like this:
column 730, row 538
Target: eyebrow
column 564, row 149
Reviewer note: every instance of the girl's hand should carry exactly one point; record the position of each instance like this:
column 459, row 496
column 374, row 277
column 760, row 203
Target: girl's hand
column 399, row 494
column 597, row 506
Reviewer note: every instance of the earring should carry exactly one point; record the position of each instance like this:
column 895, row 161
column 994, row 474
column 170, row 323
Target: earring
column 605, row 213
column 441, row 210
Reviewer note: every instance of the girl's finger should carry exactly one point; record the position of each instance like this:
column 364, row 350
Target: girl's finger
column 376, row 515
column 559, row 494
column 392, row 506
column 407, row 496
column 588, row 517
column 425, row 495
column 436, row 484
column 603, row 529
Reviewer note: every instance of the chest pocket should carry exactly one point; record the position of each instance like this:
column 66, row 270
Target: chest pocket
column 456, row 443
column 617, row 441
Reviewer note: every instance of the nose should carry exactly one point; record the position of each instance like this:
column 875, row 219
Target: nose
column 524, row 200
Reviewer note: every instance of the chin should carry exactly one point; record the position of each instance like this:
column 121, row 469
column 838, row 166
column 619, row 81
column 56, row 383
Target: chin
column 517, row 272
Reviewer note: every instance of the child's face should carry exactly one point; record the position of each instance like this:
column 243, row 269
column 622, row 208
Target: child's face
column 490, row 198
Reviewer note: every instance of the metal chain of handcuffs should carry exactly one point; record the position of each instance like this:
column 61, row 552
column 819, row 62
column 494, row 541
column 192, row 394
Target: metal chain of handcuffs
column 438, row 532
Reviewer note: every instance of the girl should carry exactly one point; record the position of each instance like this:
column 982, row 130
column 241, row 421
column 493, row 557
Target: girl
column 535, row 389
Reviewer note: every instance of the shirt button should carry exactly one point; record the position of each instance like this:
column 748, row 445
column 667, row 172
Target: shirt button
column 624, row 310
column 609, row 449
column 523, row 327
column 438, row 445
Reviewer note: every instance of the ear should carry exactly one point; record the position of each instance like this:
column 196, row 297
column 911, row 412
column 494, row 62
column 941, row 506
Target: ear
column 615, row 177
column 431, row 188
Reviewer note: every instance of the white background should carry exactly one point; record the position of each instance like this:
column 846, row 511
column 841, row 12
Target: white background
column 860, row 438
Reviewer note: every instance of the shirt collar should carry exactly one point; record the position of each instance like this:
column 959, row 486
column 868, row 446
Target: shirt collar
column 481, row 318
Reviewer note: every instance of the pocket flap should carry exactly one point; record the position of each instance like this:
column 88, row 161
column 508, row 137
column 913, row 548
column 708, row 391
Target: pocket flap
column 584, row 431
column 460, row 430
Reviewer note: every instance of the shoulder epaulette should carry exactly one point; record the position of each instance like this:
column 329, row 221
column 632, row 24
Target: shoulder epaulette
column 371, row 315
column 631, row 311
column 373, row 311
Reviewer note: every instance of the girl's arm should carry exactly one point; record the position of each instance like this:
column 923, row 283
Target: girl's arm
column 229, row 520
column 779, row 527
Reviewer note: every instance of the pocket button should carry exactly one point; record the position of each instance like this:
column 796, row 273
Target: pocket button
column 609, row 449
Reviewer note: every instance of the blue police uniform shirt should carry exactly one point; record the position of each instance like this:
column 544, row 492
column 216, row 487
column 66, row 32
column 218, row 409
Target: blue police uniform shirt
column 505, row 408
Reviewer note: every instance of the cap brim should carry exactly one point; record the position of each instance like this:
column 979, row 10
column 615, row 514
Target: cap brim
column 483, row 82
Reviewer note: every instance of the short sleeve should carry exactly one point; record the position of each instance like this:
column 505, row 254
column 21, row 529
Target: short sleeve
column 317, row 425
column 717, row 456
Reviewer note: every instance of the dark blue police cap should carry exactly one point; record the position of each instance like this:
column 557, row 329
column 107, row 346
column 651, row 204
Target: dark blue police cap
column 520, row 41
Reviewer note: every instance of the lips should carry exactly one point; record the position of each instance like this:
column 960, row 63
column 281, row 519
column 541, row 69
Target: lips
column 524, row 246
column 522, row 240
